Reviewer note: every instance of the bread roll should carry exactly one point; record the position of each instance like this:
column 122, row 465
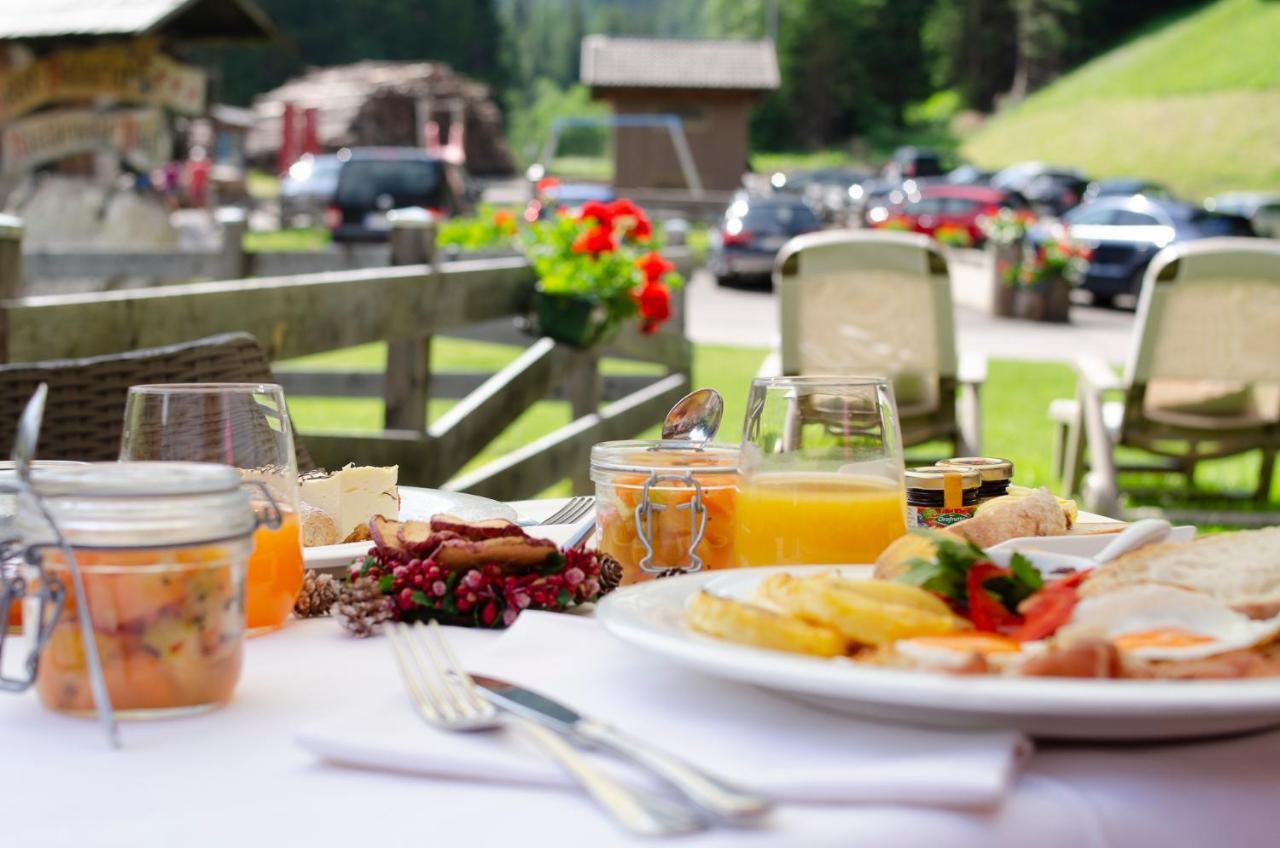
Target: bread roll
column 1001, row 519
column 893, row 561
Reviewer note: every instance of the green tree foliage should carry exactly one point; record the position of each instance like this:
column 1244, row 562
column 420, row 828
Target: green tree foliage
column 465, row 35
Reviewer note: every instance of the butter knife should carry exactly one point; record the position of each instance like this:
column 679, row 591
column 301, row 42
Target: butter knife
column 721, row 800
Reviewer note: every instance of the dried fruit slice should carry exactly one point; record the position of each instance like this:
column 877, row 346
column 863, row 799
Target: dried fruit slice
column 491, row 528
column 753, row 625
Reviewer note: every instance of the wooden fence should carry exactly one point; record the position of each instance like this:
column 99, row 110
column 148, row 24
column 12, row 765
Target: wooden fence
column 405, row 305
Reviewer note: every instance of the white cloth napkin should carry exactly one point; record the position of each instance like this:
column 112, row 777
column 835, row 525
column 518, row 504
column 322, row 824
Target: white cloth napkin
column 785, row 749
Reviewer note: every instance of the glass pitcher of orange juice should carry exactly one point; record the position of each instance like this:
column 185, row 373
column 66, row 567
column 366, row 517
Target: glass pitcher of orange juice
column 246, row 426
column 820, row 472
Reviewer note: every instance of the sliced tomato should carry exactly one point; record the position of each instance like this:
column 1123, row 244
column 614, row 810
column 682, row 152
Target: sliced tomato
column 985, row 610
column 1047, row 610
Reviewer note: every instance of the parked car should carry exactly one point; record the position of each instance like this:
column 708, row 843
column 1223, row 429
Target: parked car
column 1124, row 233
column 913, row 163
column 955, row 206
column 827, row 191
column 879, row 198
column 751, row 233
column 969, row 175
column 375, row 180
column 1262, row 209
column 307, row 188
column 1051, row 189
column 1123, row 187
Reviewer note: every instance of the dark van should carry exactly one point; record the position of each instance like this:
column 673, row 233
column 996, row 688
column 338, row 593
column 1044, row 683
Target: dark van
column 375, row 180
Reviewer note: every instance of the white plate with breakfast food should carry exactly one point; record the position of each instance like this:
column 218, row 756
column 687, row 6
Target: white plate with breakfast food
column 337, row 507
column 1178, row 639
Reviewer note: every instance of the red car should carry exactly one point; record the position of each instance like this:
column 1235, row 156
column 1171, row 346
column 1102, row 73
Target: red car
column 955, row 207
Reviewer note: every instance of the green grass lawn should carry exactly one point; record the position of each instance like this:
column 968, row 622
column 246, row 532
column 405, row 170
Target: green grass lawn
column 1014, row 403
column 310, row 238
column 1194, row 102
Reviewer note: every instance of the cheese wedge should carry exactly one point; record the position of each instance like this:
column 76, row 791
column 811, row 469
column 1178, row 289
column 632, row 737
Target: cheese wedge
column 353, row 495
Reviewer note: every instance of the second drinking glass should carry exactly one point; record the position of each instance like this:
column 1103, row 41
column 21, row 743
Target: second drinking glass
column 821, row 472
column 244, row 425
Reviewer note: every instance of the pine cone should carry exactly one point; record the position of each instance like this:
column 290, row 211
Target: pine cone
column 610, row 574
column 361, row 606
column 319, row 592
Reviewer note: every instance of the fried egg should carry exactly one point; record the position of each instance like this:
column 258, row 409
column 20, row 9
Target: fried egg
column 956, row 650
column 1151, row 621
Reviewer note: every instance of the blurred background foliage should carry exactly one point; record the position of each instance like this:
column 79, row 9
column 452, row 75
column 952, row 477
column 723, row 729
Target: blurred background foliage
column 864, row 74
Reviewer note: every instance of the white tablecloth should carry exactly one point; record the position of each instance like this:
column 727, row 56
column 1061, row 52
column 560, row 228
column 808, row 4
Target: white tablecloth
column 235, row 777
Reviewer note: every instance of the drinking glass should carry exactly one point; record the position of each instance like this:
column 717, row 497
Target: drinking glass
column 820, row 472
column 244, row 425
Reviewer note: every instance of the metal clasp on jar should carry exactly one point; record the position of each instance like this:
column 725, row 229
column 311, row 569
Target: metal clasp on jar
column 644, row 520
column 48, row 601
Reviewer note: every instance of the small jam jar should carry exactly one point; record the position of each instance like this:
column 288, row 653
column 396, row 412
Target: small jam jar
column 162, row 549
column 939, row 496
column 665, row 506
column 996, row 474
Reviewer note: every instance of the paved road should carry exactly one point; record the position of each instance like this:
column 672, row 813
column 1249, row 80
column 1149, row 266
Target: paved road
column 749, row 318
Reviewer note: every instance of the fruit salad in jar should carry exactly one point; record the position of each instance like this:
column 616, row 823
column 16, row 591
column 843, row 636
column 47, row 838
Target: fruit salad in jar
column 168, row 624
column 677, row 496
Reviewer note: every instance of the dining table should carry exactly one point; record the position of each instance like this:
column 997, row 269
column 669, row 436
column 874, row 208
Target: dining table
column 237, row 776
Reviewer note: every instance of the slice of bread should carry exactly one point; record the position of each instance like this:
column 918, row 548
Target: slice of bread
column 1241, row 570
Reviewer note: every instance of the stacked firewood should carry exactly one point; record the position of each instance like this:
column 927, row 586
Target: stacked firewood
column 386, row 103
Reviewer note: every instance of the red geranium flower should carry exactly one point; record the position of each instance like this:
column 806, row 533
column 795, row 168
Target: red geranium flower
column 595, row 209
column 655, row 306
column 595, row 241
column 622, row 207
column 654, row 267
column 642, row 230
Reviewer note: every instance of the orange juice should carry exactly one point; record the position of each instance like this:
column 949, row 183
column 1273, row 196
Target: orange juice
column 275, row 574
column 802, row 518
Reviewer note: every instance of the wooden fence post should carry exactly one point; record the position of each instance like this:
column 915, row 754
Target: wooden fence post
column 408, row 376
column 10, row 274
column 583, row 388
column 233, row 224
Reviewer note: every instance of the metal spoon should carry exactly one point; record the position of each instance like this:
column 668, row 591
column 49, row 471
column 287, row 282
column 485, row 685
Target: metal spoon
column 695, row 417
column 24, row 443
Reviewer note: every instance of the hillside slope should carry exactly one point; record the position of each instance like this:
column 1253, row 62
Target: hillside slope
column 1194, row 103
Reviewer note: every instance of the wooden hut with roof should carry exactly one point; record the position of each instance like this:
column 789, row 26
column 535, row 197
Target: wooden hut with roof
column 80, row 78
column 711, row 86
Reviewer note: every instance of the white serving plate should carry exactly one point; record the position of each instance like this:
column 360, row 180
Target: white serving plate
column 651, row 616
column 415, row 503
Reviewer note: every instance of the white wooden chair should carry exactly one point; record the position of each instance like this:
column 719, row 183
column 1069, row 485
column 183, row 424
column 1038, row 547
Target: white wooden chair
column 1203, row 380
column 878, row 304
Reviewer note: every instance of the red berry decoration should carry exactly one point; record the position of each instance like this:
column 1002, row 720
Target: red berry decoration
column 479, row 574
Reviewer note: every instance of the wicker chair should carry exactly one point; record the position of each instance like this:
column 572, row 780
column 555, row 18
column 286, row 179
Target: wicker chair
column 84, row 415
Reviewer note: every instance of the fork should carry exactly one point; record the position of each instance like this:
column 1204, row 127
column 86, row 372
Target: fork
column 445, row 696
column 576, row 508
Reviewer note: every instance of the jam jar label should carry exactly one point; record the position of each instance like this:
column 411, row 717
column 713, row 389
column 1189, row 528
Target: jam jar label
column 933, row 517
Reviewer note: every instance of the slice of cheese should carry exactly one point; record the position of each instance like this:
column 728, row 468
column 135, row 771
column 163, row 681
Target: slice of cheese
column 320, row 490
column 353, row 495
column 366, row 491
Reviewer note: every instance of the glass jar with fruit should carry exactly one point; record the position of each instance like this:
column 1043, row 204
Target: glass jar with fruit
column 161, row 548
column 665, row 506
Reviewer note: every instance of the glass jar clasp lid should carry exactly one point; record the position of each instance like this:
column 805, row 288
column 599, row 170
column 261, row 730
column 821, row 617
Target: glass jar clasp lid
column 644, row 519
column 50, row 592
